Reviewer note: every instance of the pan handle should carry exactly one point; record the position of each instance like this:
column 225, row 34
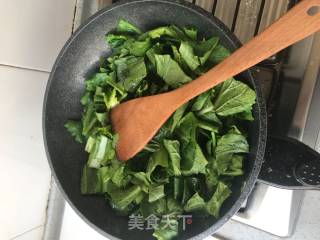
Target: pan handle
column 290, row 164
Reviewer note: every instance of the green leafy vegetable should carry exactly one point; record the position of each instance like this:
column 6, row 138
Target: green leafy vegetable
column 232, row 143
column 139, row 48
column 195, row 203
column 177, row 186
column 116, row 40
column 167, row 229
column 173, row 148
column 89, row 120
column 75, row 129
column 140, row 178
column 188, row 56
column 218, row 54
column 159, row 160
column 131, row 71
column 222, row 193
column 212, row 178
column 201, row 101
column 157, row 208
column 177, row 117
column 234, row 97
column 170, row 71
column 191, row 163
column 191, row 33
column 227, row 146
column 169, row 31
column 205, row 50
column 119, row 177
column 194, row 160
column 173, row 206
column 101, row 152
column 122, row 198
column 156, row 192
column 126, row 27
column 187, row 128
column 90, row 182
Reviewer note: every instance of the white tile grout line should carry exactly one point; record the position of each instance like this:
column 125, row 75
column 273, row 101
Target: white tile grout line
column 23, row 68
column 30, row 230
column 74, row 16
column 54, row 213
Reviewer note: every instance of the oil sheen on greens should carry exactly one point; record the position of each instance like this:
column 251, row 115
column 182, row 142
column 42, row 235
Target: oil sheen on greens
column 189, row 166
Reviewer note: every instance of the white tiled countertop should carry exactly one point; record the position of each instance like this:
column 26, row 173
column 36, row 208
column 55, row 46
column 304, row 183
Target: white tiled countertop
column 34, row 31
column 32, row 34
column 24, row 172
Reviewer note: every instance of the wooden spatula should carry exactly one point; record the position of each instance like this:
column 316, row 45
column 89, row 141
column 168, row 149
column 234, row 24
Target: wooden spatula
column 138, row 120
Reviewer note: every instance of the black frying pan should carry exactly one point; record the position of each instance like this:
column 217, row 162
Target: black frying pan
column 79, row 59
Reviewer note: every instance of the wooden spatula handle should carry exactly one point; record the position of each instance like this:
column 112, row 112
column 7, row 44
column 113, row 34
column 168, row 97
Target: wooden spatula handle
column 298, row 23
column 137, row 121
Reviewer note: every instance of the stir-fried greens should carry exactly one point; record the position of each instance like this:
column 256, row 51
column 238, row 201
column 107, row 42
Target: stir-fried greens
column 190, row 164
